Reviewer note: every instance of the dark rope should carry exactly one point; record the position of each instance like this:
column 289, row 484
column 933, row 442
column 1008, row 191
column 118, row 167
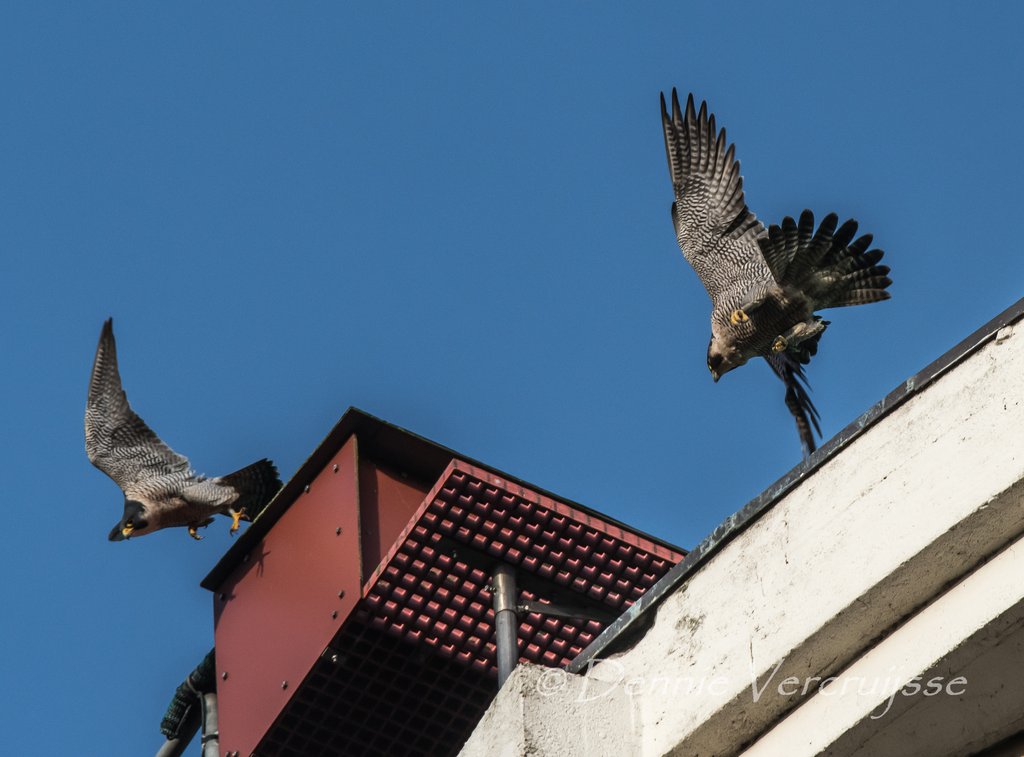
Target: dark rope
column 200, row 681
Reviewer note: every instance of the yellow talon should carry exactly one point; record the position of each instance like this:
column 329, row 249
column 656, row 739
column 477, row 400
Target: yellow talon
column 779, row 345
column 235, row 517
column 127, row 531
column 736, row 317
column 193, row 534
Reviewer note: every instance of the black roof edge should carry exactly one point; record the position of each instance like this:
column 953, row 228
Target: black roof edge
column 739, row 521
column 381, row 441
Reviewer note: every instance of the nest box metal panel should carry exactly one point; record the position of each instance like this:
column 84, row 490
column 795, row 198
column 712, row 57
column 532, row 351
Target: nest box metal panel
column 282, row 606
column 404, row 663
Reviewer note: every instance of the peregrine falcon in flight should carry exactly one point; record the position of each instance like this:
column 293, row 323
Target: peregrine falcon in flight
column 765, row 284
column 160, row 488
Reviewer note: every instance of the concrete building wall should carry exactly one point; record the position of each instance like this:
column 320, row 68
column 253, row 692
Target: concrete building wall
column 898, row 557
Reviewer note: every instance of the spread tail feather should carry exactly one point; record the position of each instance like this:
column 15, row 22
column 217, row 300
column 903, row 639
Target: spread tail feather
column 256, row 485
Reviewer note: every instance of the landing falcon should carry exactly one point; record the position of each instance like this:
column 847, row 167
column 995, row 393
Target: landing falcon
column 160, row 488
column 765, row 284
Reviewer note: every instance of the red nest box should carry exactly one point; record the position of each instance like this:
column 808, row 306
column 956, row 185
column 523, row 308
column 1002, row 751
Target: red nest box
column 355, row 615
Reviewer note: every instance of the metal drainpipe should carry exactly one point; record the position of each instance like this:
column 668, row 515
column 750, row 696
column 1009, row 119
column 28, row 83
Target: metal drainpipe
column 506, row 621
column 211, row 737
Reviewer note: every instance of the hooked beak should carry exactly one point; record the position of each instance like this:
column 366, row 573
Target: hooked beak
column 715, row 375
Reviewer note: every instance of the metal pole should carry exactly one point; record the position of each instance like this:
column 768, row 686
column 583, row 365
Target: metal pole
column 211, row 738
column 176, row 747
column 506, row 622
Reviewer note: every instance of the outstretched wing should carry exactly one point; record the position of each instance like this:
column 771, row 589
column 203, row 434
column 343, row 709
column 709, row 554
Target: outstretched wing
column 715, row 230
column 828, row 265
column 118, row 441
column 787, row 368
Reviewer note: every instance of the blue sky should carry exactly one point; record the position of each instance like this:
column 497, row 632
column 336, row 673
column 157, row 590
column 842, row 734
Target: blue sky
column 456, row 219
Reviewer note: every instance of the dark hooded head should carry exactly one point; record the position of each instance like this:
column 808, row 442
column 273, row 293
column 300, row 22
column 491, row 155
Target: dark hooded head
column 722, row 358
column 133, row 522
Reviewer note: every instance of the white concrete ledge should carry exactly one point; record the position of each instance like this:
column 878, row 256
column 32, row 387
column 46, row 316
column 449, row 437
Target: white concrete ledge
column 544, row 711
column 857, row 550
column 875, row 705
